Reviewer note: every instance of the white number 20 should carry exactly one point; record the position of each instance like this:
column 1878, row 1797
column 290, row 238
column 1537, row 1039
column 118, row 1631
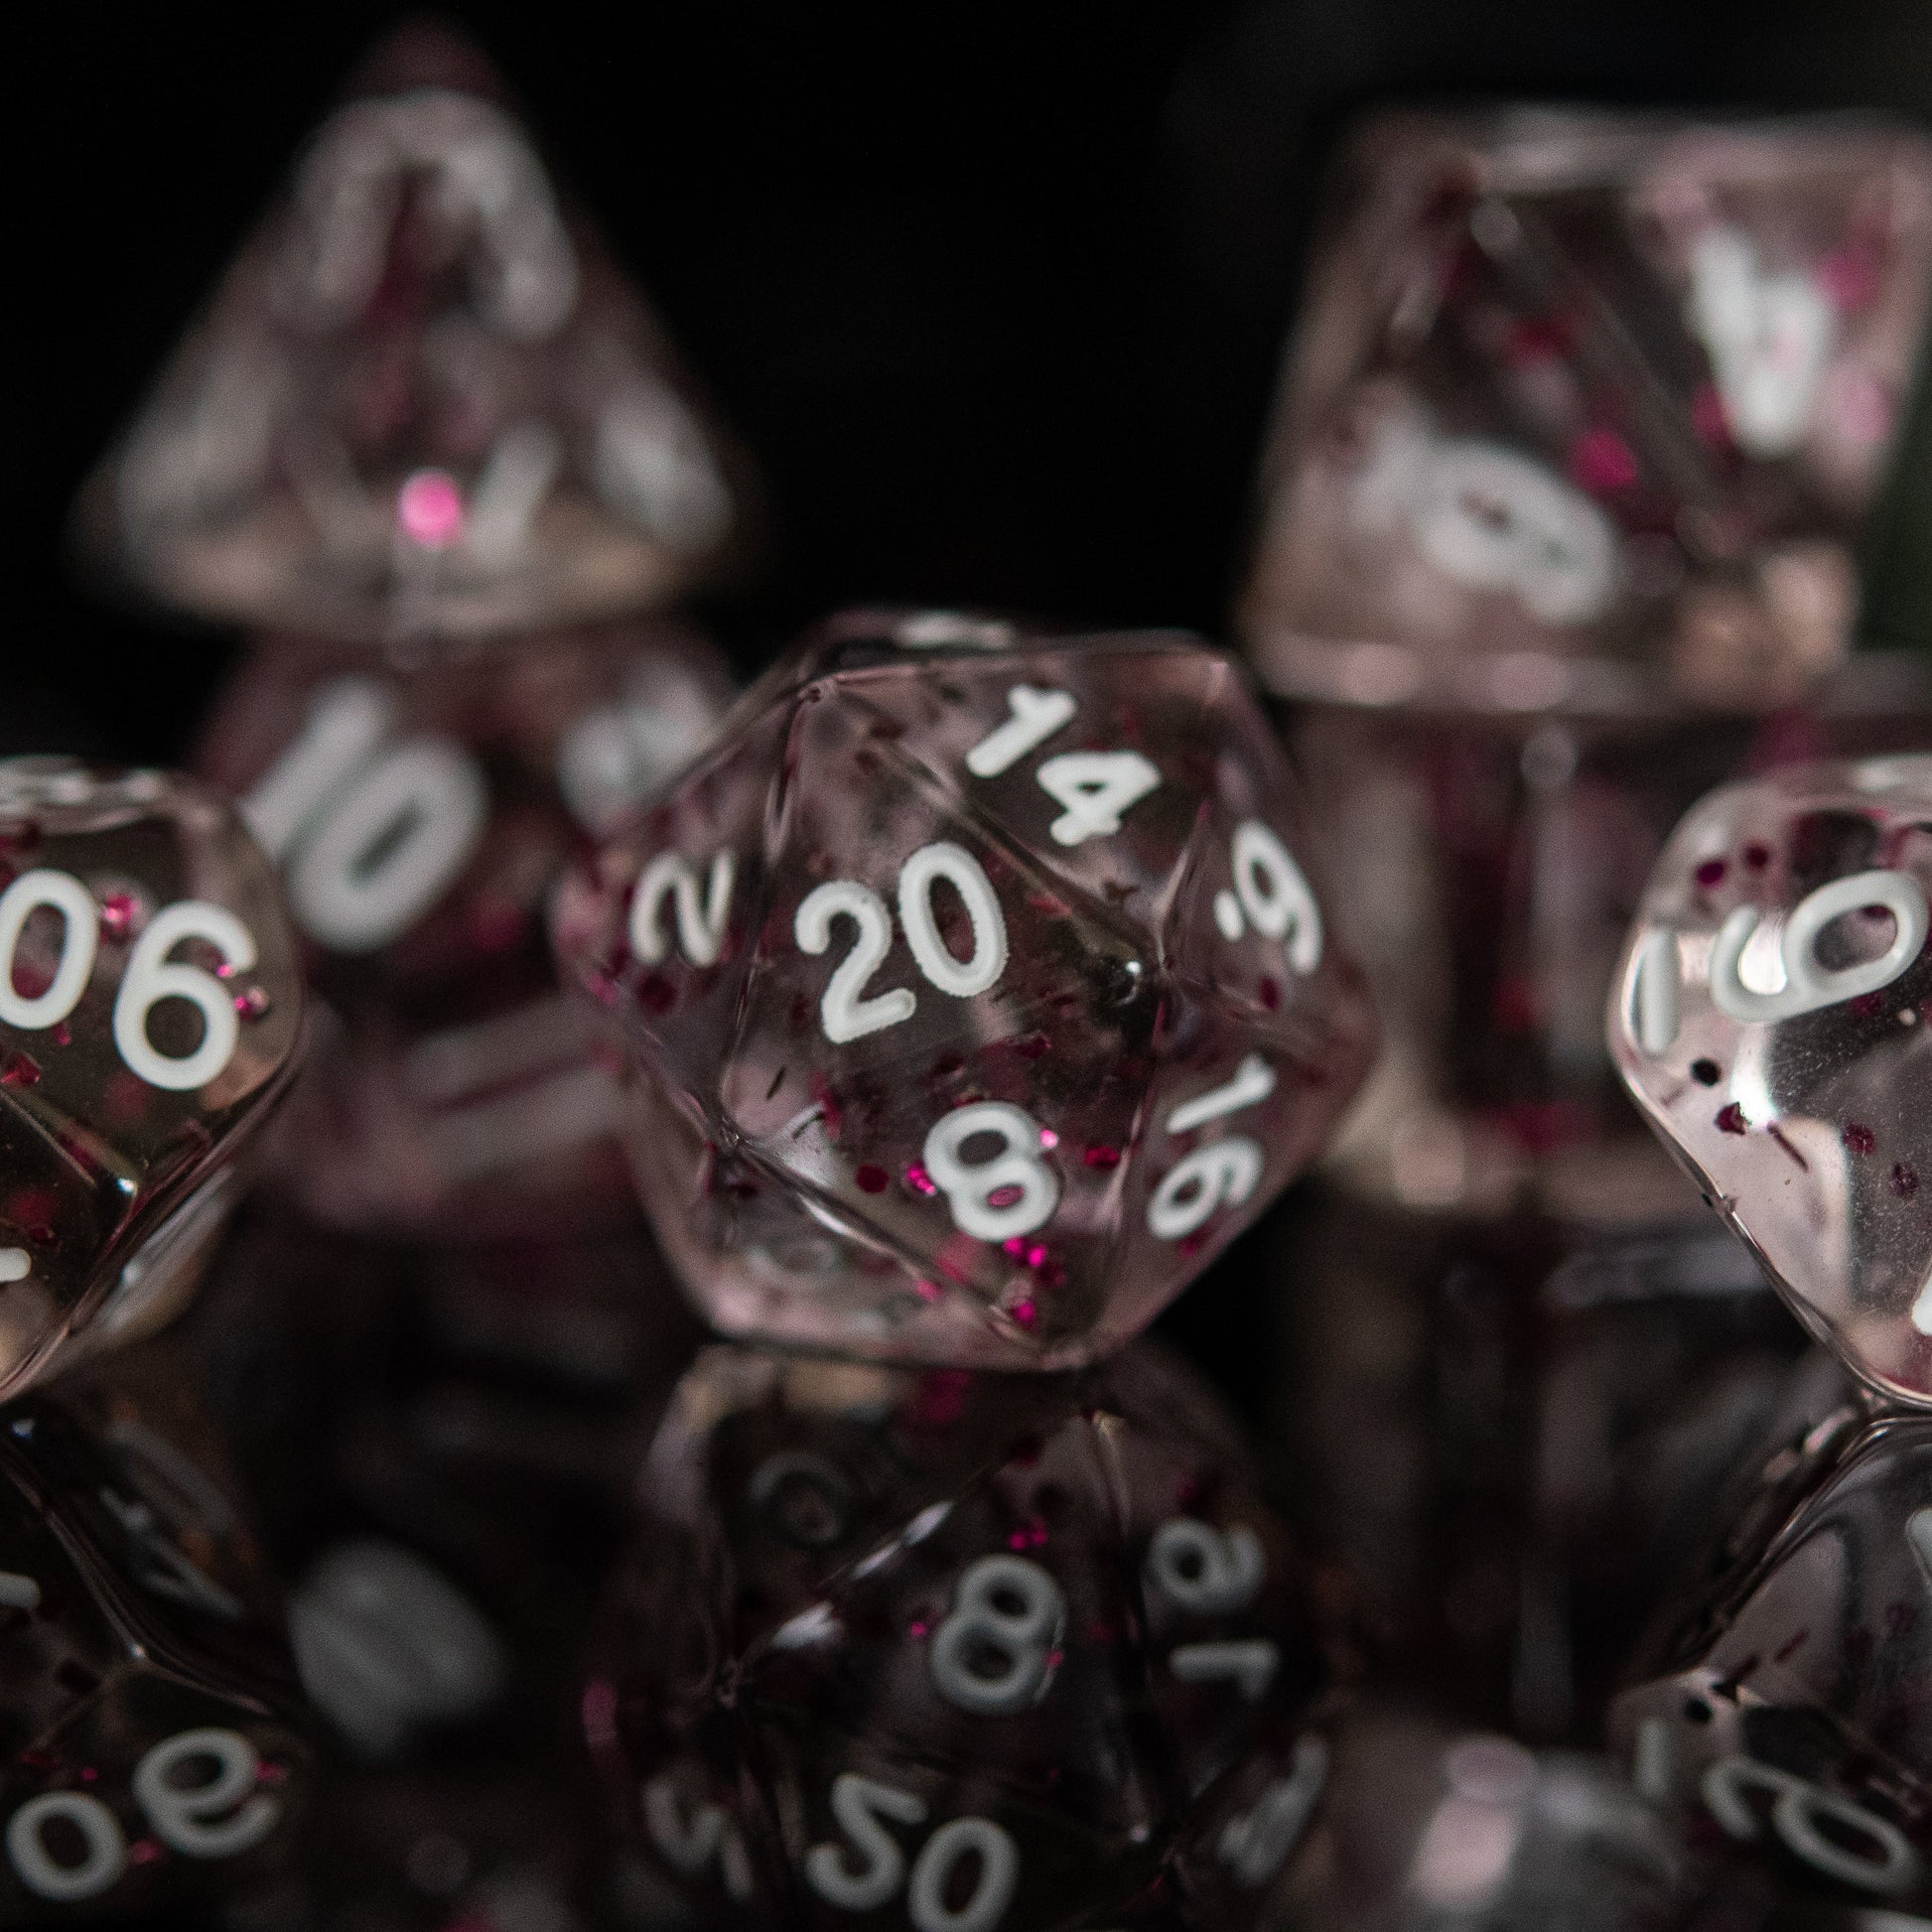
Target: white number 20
column 861, row 1805
column 220, row 1818
column 150, row 978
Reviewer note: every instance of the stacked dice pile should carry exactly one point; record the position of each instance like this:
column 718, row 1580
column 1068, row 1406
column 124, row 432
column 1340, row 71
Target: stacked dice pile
column 947, row 1002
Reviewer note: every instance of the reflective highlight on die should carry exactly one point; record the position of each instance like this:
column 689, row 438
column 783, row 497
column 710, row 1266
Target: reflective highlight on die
column 150, row 1013
column 1771, row 1018
column 966, row 1650
column 980, row 989
column 422, row 400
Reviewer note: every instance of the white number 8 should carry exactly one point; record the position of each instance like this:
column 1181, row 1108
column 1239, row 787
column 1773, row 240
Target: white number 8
column 1017, row 1166
column 1009, row 1613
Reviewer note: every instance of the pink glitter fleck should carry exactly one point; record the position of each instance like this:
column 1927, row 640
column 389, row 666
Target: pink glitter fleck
column 1711, row 873
column 252, row 1003
column 144, row 1851
column 1006, row 1196
column 918, row 1178
column 870, row 1179
column 63, row 1034
column 927, row 1291
column 1024, row 1314
column 429, row 510
column 1048, row 1138
column 918, row 1627
column 1601, row 461
column 1730, row 1120
column 117, row 911
column 1102, row 1156
column 1858, row 1137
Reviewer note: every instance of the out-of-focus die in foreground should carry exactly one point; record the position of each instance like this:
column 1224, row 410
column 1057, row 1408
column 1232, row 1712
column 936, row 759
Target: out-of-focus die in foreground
column 1427, row 1829
column 1785, row 1716
column 422, row 401
column 152, row 1753
column 420, row 817
column 969, row 1651
column 979, row 986
column 1771, row 1018
column 1585, row 412
column 150, row 1015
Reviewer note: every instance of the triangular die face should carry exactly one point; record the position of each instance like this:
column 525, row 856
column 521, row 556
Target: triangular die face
column 422, row 402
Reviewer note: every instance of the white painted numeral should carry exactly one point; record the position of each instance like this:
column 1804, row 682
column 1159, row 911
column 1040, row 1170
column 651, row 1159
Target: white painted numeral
column 1862, row 1850
column 1271, row 894
column 1769, row 338
column 1224, row 1173
column 104, row 1861
column 962, row 978
column 1918, row 1533
column 1653, row 994
column 700, row 921
column 1255, row 1845
column 1037, row 716
column 843, row 1011
column 80, row 939
column 219, row 1818
column 1094, row 789
column 1204, row 1571
column 1495, row 521
column 1809, row 986
column 688, row 1845
column 370, row 834
column 152, row 977
column 1016, row 1168
column 860, row 1805
column 1253, row 1082
column 996, row 1652
column 1250, row 1663
column 933, row 1869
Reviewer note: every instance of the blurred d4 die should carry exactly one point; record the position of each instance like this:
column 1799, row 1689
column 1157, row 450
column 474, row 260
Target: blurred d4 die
column 422, row 401
column 1785, row 1716
column 150, row 1013
column 1585, row 411
column 419, row 817
column 1770, row 1016
column 151, row 1746
column 979, row 988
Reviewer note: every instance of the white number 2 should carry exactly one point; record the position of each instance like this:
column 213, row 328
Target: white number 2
column 699, row 920
column 860, row 1805
column 151, row 976
column 219, row 1818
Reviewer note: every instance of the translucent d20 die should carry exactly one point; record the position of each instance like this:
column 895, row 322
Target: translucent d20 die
column 956, row 1649
column 420, row 817
column 978, row 986
column 1785, row 1714
column 1587, row 411
column 422, row 401
column 1770, row 1017
column 150, row 1010
column 152, row 1751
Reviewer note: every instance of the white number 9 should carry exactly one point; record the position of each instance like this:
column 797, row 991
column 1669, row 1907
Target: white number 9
column 1203, row 1570
column 152, row 977
column 190, row 1819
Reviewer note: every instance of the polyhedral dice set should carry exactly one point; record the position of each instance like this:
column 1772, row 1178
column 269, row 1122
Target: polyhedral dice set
column 501, row 1002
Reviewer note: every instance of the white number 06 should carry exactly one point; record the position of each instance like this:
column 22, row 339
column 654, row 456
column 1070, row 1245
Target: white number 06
column 150, row 978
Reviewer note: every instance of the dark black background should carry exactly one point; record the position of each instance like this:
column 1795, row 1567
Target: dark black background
column 994, row 294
